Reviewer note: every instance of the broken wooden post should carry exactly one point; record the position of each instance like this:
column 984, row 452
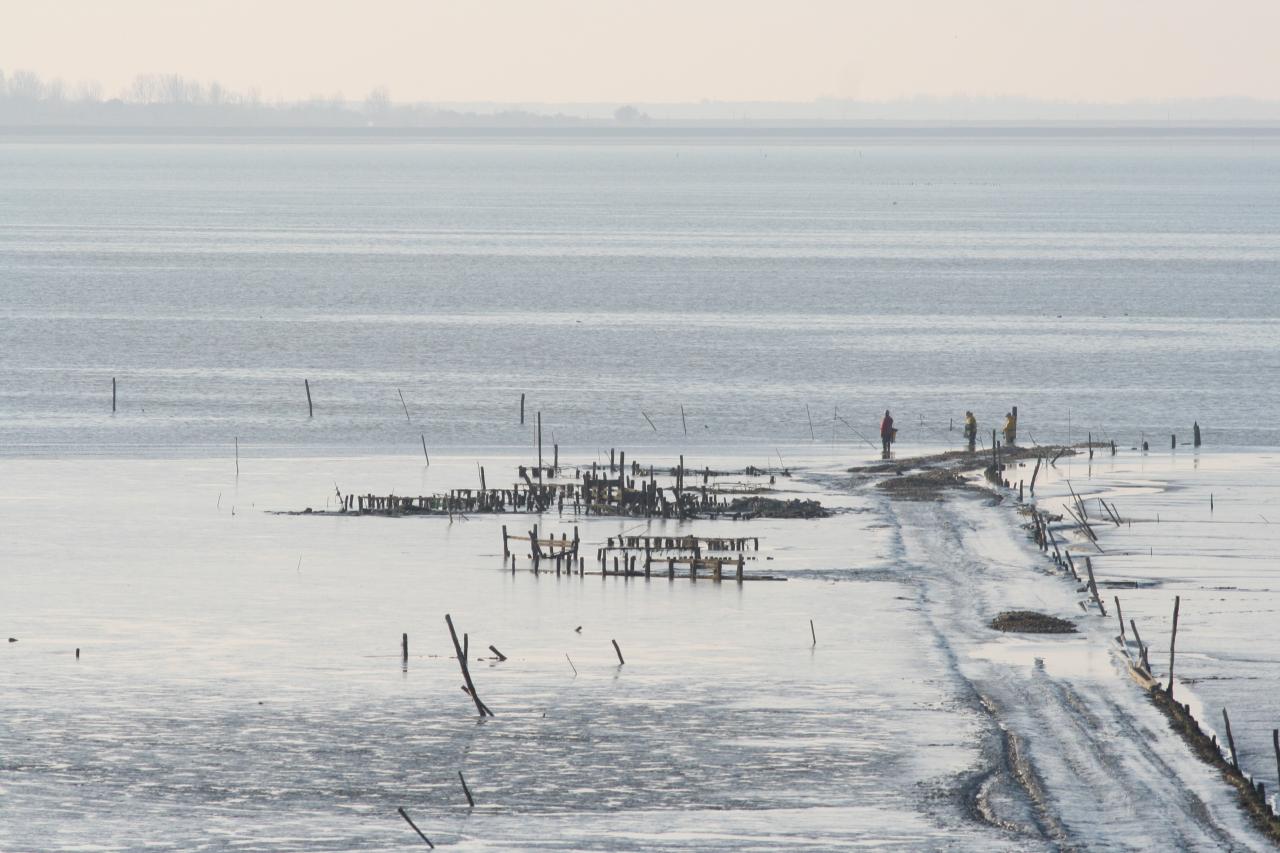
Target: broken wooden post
column 813, row 633
column 1231, row 742
column 1173, row 638
column 619, row 651
column 521, row 410
column 1173, row 442
column 1275, row 743
column 1093, row 586
column 310, row 411
column 404, row 647
column 1120, row 616
column 1195, row 429
column 471, row 803
column 113, row 395
column 1142, row 649
column 466, row 671
column 506, row 551
column 409, row 820
column 740, row 566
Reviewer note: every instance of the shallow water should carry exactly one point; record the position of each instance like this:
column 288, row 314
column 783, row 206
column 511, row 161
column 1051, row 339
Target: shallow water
column 1114, row 284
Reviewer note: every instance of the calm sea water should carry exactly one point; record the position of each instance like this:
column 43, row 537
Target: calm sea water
column 1114, row 284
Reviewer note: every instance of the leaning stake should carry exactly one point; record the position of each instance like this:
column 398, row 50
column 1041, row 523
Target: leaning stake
column 619, row 651
column 409, row 820
column 310, row 411
column 1173, row 638
column 470, row 802
column 466, row 671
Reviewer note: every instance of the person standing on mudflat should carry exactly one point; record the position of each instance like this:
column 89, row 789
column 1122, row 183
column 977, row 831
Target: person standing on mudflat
column 970, row 430
column 886, row 433
column 1010, row 429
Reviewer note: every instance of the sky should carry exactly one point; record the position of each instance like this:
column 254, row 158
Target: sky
column 570, row 51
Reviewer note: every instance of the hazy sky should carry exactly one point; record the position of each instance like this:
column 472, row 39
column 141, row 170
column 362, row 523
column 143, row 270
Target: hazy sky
column 661, row 50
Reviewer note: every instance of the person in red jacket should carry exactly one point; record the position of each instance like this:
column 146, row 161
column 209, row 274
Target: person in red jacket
column 886, row 432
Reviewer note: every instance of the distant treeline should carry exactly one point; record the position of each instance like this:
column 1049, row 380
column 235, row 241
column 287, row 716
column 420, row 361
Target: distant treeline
column 175, row 101
column 172, row 100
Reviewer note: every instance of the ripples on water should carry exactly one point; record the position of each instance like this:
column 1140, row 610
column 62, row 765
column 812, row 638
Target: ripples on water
column 1111, row 284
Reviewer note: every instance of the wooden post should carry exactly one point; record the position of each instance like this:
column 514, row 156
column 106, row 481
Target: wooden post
column 424, row 449
column 1195, row 428
column 1275, row 744
column 1173, row 638
column 471, row 803
column 740, row 563
column 555, row 458
column 671, row 569
column 1142, row 650
column 310, row 411
column 1013, row 439
column 113, row 395
column 1231, row 742
column 683, row 422
column 809, row 415
column 506, row 552
column 1093, row 586
column 539, row 445
column 521, row 410
column 237, row 456
column 1173, row 442
column 619, row 651
column 813, row 633
column 466, row 671
column 404, row 647
column 403, row 404
column 1119, row 616
column 409, row 821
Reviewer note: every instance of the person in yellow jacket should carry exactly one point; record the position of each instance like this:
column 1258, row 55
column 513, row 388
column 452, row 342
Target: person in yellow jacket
column 970, row 430
column 1010, row 429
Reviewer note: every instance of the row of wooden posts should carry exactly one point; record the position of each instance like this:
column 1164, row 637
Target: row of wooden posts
column 1042, row 532
column 592, row 492
column 564, row 556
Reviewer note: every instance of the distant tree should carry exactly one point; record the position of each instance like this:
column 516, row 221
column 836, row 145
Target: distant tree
column 26, row 86
column 628, row 115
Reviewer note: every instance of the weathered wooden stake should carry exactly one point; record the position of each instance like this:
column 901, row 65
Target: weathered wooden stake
column 466, row 671
column 471, row 803
column 619, row 651
column 409, row 820
column 310, row 411
column 1093, row 586
column 521, row 410
column 404, row 647
column 683, row 422
column 113, row 395
column 813, row 633
column 1173, row 638
column 539, row 445
column 1142, row 650
column 1231, row 742
column 237, row 456
column 809, row 415
column 1119, row 616
column 403, row 404
column 501, row 656
column 1275, row 744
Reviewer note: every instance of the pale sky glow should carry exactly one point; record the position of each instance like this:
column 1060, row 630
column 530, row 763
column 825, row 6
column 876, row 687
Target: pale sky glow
column 659, row 50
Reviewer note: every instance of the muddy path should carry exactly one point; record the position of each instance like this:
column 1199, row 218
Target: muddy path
column 1079, row 758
